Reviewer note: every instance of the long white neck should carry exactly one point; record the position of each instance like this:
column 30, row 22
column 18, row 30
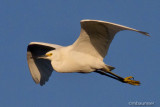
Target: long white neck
column 57, row 59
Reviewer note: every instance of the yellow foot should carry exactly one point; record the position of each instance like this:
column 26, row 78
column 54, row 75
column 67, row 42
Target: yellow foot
column 132, row 82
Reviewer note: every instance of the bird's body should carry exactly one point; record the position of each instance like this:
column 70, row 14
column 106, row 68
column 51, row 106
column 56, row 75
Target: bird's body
column 85, row 55
column 65, row 61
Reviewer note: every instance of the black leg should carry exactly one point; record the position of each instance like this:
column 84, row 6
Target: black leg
column 112, row 76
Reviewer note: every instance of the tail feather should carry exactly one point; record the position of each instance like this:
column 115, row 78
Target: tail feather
column 110, row 67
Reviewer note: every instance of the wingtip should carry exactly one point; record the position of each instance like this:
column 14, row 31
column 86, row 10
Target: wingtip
column 145, row 33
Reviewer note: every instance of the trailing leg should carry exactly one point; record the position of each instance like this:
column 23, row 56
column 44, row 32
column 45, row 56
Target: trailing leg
column 117, row 77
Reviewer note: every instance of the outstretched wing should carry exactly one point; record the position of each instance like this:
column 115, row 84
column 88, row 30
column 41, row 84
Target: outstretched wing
column 96, row 36
column 40, row 69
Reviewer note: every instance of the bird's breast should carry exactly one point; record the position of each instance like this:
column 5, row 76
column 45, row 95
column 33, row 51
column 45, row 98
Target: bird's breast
column 77, row 63
column 68, row 67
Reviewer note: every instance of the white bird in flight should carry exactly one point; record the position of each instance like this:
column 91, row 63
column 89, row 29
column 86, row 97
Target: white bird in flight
column 85, row 55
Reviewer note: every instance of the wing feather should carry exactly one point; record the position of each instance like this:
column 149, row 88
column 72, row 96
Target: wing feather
column 40, row 69
column 96, row 36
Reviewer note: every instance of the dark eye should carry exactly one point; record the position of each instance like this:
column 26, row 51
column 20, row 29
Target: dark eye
column 50, row 54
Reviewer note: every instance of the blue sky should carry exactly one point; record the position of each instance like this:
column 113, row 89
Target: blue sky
column 58, row 22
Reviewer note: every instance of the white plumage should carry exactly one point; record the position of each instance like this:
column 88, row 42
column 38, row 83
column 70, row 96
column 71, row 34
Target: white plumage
column 84, row 55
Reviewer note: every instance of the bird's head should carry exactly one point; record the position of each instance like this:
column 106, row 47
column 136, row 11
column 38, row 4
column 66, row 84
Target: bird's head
column 48, row 55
